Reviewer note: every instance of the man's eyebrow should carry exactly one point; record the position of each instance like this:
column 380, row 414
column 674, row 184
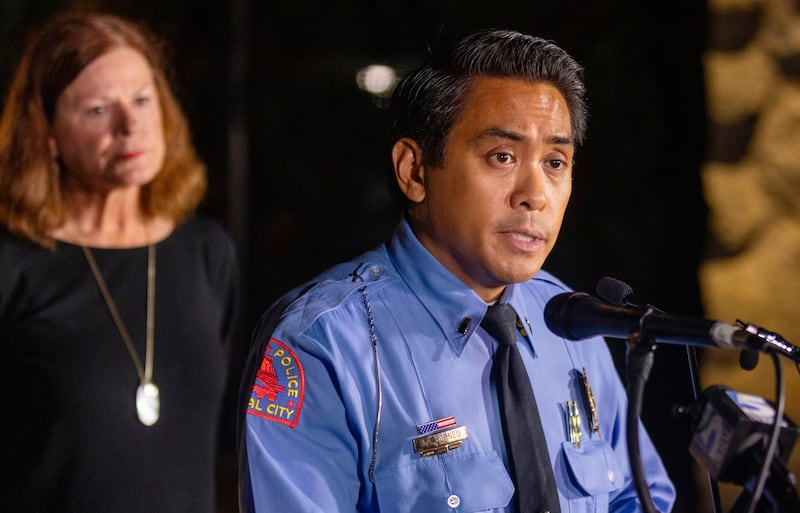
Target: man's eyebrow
column 563, row 140
column 502, row 133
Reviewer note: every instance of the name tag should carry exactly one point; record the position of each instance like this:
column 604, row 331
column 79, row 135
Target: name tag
column 440, row 442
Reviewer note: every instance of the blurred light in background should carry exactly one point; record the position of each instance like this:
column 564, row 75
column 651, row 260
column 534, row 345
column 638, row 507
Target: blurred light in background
column 377, row 79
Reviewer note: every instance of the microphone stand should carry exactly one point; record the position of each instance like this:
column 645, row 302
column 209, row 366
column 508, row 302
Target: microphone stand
column 694, row 371
column 617, row 292
column 639, row 363
column 772, row 491
column 774, row 488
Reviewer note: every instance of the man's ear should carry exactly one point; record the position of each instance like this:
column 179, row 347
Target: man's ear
column 408, row 169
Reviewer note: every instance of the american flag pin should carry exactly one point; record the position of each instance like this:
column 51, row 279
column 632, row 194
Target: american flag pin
column 436, row 425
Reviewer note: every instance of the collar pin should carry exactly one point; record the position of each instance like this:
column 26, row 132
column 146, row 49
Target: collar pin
column 464, row 326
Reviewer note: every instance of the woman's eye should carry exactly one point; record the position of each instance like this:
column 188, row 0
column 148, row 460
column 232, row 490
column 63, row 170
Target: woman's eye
column 142, row 100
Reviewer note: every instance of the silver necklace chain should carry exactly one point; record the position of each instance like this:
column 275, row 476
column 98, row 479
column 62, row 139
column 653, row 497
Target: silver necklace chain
column 146, row 373
column 148, row 397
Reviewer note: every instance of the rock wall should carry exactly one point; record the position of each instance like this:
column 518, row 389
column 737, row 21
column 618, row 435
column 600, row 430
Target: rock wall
column 751, row 182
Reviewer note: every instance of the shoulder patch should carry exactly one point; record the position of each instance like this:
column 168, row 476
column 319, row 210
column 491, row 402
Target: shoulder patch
column 277, row 392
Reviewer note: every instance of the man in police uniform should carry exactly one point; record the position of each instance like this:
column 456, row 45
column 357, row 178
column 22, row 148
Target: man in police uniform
column 371, row 388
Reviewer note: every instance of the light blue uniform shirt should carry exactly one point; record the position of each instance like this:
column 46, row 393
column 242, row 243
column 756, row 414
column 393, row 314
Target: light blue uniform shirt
column 313, row 413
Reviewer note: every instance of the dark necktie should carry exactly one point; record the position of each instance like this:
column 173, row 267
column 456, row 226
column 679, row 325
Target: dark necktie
column 522, row 427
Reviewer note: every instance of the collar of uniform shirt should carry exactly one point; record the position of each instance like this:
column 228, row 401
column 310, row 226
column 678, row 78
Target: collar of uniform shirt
column 447, row 298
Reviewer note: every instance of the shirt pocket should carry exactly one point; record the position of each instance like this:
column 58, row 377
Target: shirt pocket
column 465, row 483
column 592, row 473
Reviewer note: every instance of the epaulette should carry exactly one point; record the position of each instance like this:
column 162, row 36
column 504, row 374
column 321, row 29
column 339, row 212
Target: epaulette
column 337, row 287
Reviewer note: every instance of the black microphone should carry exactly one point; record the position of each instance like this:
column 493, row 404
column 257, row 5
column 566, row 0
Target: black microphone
column 614, row 291
column 577, row 315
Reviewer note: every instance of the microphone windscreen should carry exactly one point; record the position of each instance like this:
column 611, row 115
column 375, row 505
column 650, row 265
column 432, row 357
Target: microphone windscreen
column 614, row 291
column 748, row 359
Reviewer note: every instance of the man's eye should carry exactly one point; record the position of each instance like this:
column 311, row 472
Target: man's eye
column 557, row 163
column 503, row 158
column 96, row 111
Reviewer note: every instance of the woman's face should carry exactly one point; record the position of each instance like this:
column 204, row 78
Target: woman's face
column 107, row 129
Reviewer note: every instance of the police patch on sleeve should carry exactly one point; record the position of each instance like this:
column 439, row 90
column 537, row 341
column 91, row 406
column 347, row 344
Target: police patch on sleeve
column 277, row 393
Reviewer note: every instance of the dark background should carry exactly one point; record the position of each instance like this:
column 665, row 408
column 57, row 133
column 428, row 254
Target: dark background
column 297, row 156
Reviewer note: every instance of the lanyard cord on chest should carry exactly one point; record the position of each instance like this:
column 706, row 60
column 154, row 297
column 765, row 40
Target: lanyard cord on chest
column 374, row 341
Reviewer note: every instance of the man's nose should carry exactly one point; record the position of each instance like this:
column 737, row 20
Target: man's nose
column 530, row 187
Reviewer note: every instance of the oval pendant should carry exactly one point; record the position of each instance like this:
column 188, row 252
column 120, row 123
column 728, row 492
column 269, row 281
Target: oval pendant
column 148, row 403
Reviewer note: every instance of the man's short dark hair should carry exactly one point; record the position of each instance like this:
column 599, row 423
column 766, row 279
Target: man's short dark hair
column 428, row 101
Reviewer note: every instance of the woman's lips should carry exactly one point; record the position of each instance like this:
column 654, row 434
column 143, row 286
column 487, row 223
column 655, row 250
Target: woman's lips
column 129, row 155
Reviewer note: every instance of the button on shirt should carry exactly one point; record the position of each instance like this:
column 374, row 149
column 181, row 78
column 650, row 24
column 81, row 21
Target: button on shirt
column 311, row 442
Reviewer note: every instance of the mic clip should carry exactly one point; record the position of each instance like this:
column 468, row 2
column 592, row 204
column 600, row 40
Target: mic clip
column 762, row 341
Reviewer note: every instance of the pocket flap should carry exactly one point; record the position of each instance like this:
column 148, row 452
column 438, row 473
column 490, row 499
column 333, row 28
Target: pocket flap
column 470, row 482
column 594, row 467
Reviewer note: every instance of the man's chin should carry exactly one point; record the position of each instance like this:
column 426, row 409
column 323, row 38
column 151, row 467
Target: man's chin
column 519, row 276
